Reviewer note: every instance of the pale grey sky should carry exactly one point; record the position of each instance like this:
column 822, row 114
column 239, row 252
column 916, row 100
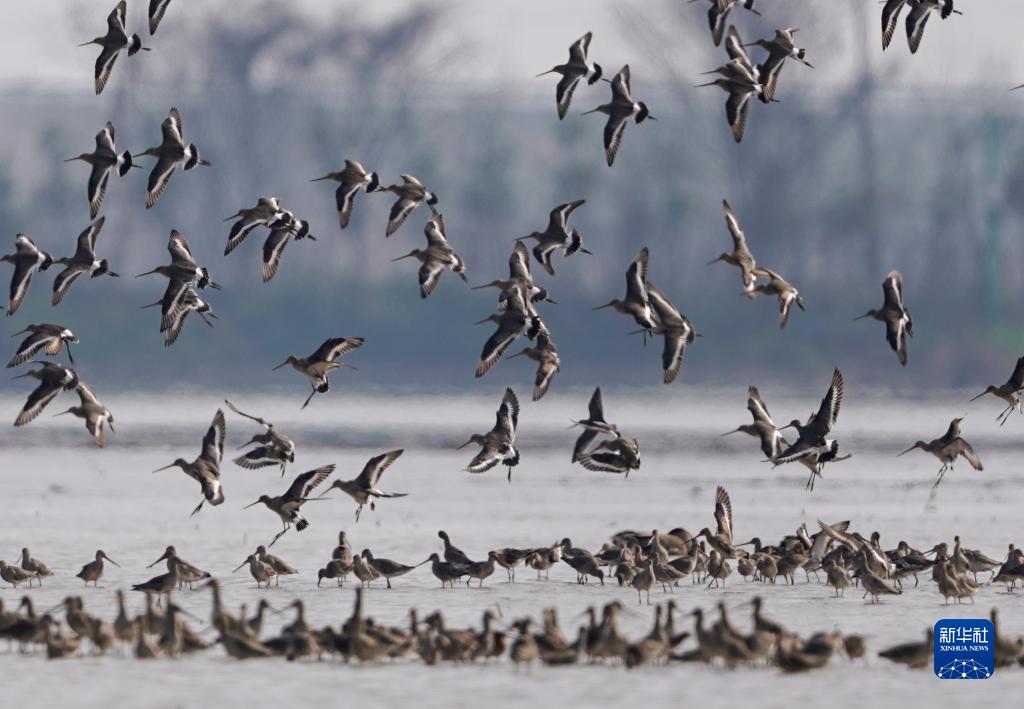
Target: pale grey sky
column 981, row 48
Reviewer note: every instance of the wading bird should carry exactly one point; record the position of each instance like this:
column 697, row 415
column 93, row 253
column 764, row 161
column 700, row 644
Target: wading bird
column 353, row 177
column 740, row 255
column 781, row 289
column 52, row 379
column 113, row 42
column 287, row 506
column 1008, row 391
column 518, row 318
column 411, row 194
column 182, row 273
column 621, row 108
column 83, row 261
column 47, row 337
column 741, row 79
column 618, row 455
column 171, row 152
column 675, row 329
column 437, row 257
column 104, row 159
column 572, row 71
column 92, row 412
column 545, row 354
column 718, row 13
column 557, row 236
column 593, row 426
column 763, row 428
column 206, row 468
column 813, row 442
column 280, row 234
column 636, row 303
column 274, row 448
column 93, row 571
column 363, row 489
column 780, row 48
column 947, row 448
column 317, row 367
column 895, row 316
column 499, row 444
column 268, row 212
column 26, row 259
column 189, row 302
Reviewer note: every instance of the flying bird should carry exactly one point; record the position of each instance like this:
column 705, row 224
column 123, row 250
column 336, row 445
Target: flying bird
column 83, row 261
column 517, row 319
column 718, row 14
column 353, row 177
column 27, row 258
column 437, row 257
column 206, row 468
column 280, row 234
column 92, row 412
column 947, row 448
column 593, row 426
column 52, row 378
column 498, row 444
column 674, row 327
column 171, row 152
column 182, row 274
column 763, row 428
column 781, row 289
column 741, row 79
column 617, row 455
column 157, row 8
column 813, row 442
column 267, row 212
column 47, row 337
column 557, row 236
column 363, row 489
column 104, row 159
column 621, row 108
column 174, row 323
column 272, row 446
column 519, row 282
column 113, row 42
column 920, row 11
column 572, row 72
column 288, row 505
column 779, row 48
column 317, row 367
column 636, row 303
column 545, row 354
column 895, row 315
column 740, row 256
column 1008, row 392
column 411, row 194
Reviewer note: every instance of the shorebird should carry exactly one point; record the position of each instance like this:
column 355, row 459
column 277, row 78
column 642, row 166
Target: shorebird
column 363, row 489
column 518, row 318
column 280, row 234
column 157, row 8
column 41, row 570
column 741, row 79
column 171, row 152
column 187, row 573
column 675, row 329
column 93, row 571
column 947, row 448
column 593, row 426
column 387, row 568
column 434, row 259
column 572, row 71
column 174, row 322
column 15, row 574
column 557, row 236
column 287, row 506
column 411, row 194
column 353, row 177
column 763, row 428
column 261, row 571
column 268, row 212
column 92, row 412
column 920, row 11
column 636, row 302
column 26, row 259
column 718, row 13
column 274, row 447
column 52, row 379
column 47, row 337
column 548, row 363
column 913, row 654
column 780, row 48
column 104, row 159
column 182, row 273
column 740, row 255
column 115, row 40
column 1008, row 392
column 781, row 288
column 162, row 584
column 812, row 441
column 317, row 367
column 621, row 108
column 83, row 261
column 206, row 468
column 618, row 455
column 519, row 278
column 498, row 444
column 895, row 315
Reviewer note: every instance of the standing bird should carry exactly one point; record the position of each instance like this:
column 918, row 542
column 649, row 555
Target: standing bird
column 572, row 71
column 593, row 426
column 812, row 442
column 548, row 363
column 26, row 259
column 287, row 506
column 47, row 337
column 182, row 274
column 411, row 194
column 93, row 571
column 895, row 315
column 740, row 255
column 52, row 379
column 780, row 288
column 772, row 442
column 171, row 152
column 115, row 40
column 498, row 444
column 618, row 455
column 157, row 8
column 350, row 179
column 674, row 327
column 434, row 259
column 274, row 447
column 1008, row 392
column 317, row 367
column 363, row 489
column 947, row 448
column 103, row 160
column 83, row 261
column 636, row 302
column 518, row 318
column 718, row 13
column 621, row 108
column 920, row 11
column 92, row 411
column 557, row 236
column 206, row 468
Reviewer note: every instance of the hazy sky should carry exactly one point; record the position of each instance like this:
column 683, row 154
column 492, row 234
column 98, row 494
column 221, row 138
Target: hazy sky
column 980, row 48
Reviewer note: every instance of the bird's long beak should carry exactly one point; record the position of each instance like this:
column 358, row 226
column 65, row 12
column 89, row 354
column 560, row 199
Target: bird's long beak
column 861, row 317
column 906, row 451
column 602, row 307
column 728, row 433
column 164, row 556
column 251, row 504
column 783, row 428
column 146, row 273
column 111, row 561
column 478, row 322
column 977, row 397
column 697, row 86
column 166, row 467
column 241, row 565
column 401, row 257
column 587, row 112
column 318, row 179
column 86, row 44
column 464, row 444
column 279, row 366
column 61, row 413
column 73, row 159
column 585, row 251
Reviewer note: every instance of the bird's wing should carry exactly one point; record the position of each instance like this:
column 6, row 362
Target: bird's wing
column 498, row 343
column 757, row 407
column 213, row 441
column 736, row 109
column 86, row 248
column 519, row 263
column 596, row 406
column 429, row 276
column 104, row 65
column 400, row 211
column 578, row 50
column 1016, row 381
column 890, row 17
column 179, row 248
column 32, row 344
column 508, row 414
column 723, row 512
column 564, row 90
column 613, row 130
column 306, row 482
column 336, row 347
column 344, row 199
column 157, row 8
column 673, row 353
column 916, row 21
column 668, row 314
column 273, row 249
column 159, row 178
column 583, row 443
column 85, row 394
column 376, row 466
column 828, row 412
column 259, row 457
column 63, row 282
column 173, row 128
column 40, row 397
column 893, row 290
column 636, row 276
column 487, row 458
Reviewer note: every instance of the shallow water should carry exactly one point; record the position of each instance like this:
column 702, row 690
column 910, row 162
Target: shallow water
column 70, row 498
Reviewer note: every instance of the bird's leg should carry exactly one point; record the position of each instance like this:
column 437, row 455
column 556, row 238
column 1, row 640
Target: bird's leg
column 309, row 398
column 198, row 507
column 358, row 510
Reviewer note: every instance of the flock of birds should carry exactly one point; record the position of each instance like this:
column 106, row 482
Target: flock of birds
column 637, row 560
